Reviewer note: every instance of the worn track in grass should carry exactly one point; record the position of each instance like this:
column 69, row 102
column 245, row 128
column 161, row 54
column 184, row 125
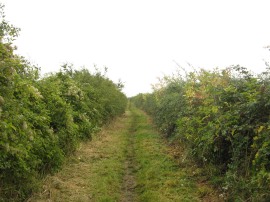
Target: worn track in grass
column 127, row 161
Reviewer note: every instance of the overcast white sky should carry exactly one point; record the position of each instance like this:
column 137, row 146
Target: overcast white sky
column 138, row 40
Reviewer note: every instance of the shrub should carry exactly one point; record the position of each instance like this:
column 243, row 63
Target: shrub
column 223, row 117
column 42, row 120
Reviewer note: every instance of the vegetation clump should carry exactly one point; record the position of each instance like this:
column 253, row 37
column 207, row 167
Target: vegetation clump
column 222, row 116
column 42, row 119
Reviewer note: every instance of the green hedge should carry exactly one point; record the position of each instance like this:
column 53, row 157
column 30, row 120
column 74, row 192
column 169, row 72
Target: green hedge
column 42, row 119
column 224, row 118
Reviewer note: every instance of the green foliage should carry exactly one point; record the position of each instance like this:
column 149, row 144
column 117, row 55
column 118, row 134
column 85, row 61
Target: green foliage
column 223, row 116
column 42, row 120
column 7, row 31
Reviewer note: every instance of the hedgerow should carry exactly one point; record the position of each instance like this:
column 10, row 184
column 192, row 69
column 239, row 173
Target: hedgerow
column 42, row 119
column 223, row 118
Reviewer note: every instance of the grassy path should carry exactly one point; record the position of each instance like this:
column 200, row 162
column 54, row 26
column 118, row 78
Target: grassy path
column 128, row 161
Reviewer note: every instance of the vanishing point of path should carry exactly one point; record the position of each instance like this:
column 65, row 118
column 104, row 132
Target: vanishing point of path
column 127, row 161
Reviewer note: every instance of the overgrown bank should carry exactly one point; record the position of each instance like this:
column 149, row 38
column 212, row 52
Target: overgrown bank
column 42, row 119
column 222, row 117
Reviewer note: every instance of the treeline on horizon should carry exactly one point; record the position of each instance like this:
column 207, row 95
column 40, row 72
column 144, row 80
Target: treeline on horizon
column 43, row 119
column 222, row 118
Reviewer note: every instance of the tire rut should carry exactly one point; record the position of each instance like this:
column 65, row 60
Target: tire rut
column 129, row 180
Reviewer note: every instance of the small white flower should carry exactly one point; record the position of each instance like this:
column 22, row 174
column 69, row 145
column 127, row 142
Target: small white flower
column 221, row 195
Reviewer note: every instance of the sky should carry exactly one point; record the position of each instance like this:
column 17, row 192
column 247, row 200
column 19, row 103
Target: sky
column 139, row 40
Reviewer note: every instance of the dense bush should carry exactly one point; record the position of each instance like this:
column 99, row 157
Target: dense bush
column 224, row 118
column 42, row 120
